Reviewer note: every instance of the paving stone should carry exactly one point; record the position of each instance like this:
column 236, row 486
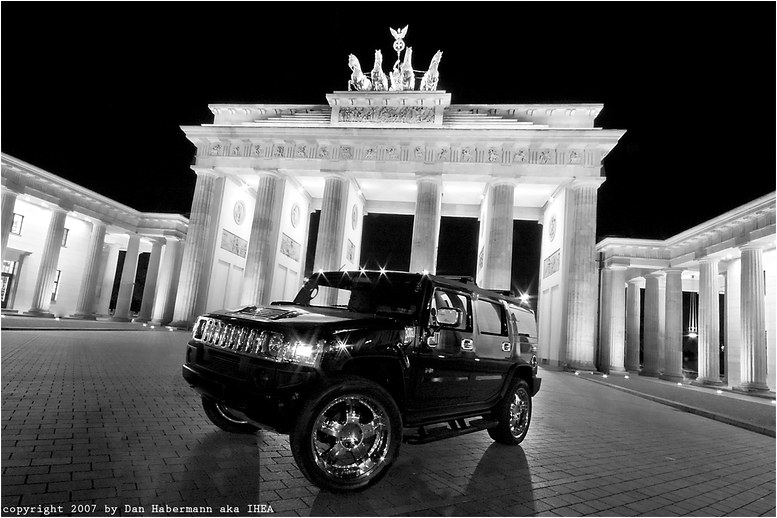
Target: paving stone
column 105, row 418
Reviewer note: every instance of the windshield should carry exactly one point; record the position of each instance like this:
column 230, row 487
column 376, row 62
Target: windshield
column 364, row 292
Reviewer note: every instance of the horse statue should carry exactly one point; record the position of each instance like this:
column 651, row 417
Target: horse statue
column 379, row 80
column 402, row 77
column 429, row 81
column 358, row 80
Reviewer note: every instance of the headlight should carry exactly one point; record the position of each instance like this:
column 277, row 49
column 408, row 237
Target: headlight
column 267, row 345
column 307, row 353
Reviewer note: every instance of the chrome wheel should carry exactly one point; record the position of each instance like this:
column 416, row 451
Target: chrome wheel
column 519, row 412
column 513, row 416
column 351, row 437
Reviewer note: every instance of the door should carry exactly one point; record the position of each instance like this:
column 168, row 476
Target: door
column 444, row 361
column 493, row 350
column 9, row 274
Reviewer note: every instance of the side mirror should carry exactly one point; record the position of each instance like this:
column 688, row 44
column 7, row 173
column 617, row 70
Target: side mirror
column 448, row 316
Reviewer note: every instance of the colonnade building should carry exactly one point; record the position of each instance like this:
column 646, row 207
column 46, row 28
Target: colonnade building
column 61, row 246
column 728, row 265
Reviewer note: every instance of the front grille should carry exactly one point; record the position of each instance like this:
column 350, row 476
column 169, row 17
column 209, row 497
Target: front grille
column 232, row 337
column 267, row 345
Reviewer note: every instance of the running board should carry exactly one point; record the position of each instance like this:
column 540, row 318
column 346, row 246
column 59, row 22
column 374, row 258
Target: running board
column 454, row 429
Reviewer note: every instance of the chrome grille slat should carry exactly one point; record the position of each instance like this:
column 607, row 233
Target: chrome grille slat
column 233, row 337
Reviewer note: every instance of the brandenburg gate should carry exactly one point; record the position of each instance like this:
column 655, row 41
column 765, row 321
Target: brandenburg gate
column 389, row 145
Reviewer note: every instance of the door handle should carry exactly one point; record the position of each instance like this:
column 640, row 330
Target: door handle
column 507, row 347
column 467, row 344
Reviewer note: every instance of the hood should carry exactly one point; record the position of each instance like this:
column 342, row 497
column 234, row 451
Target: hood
column 307, row 316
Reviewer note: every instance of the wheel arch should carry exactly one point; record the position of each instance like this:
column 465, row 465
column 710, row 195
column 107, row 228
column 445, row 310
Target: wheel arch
column 385, row 371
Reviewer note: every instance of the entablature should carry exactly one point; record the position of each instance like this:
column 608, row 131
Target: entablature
column 44, row 188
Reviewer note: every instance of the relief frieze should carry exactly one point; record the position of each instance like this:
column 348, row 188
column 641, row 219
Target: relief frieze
column 387, row 114
column 370, row 151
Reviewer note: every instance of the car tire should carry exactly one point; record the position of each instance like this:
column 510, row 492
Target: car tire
column 513, row 413
column 221, row 416
column 347, row 434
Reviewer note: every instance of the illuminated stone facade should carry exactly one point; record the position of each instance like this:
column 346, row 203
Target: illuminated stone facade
column 403, row 152
column 61, row 245
column 731, row 263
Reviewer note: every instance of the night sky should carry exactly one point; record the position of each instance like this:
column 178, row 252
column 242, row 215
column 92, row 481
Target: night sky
column 96, row 93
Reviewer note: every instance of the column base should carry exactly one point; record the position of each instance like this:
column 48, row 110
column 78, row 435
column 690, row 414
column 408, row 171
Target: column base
column 161, row 323
column 141, row 320
column 707, row 382
column 82, row 316
column 678, row 378
column 650, row 374
column 751, row 388
column 617, row 371
column 582, row 366
column 39, row 313
column 180, row 324
column 120, row 319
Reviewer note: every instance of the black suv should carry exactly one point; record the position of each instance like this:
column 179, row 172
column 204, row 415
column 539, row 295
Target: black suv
column 362, row 361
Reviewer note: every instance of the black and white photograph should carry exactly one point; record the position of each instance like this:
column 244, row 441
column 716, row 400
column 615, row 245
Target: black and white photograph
column 388, row 259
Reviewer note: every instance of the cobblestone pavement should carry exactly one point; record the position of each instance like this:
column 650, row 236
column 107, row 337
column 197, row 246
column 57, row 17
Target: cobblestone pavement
column 100, row 423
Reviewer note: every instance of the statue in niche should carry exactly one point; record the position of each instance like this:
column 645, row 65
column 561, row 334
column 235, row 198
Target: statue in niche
column 358, row 81
column 429, row 81
column 379, row 79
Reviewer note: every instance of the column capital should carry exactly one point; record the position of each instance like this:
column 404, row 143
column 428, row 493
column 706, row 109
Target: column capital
column 708, row 260
column 326, row 174
column 206, row 171
column 751, row 246
column 13, row 189
column 425, row 177
column 497, row 180
column 588, row 181
column 261, row 171
column 673, row 271
column 156, row 240
column 654, row 275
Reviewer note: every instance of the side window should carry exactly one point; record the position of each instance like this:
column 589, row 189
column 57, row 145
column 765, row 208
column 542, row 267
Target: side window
column 491, row 318
column 445, row 298
column 524, row 329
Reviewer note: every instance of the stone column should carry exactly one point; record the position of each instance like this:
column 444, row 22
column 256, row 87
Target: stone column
column 91, row 277
column 753, row 314
column 260, row 255
column 633, row 325
column 41, row 297
column 582, row 274
column 329, row 247
column 650, row 353
column 167, row 285
column 152, row 274
column 673, row 327
column 426, row 225
column 127, row 282
column 110, row 259
column 709, row 324
column 498, row 253
column 661, row 322
column 196, row 250
column 8, row 204
column 614, row 326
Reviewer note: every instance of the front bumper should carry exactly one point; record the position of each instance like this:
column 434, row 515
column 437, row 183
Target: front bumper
column 265, row 392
